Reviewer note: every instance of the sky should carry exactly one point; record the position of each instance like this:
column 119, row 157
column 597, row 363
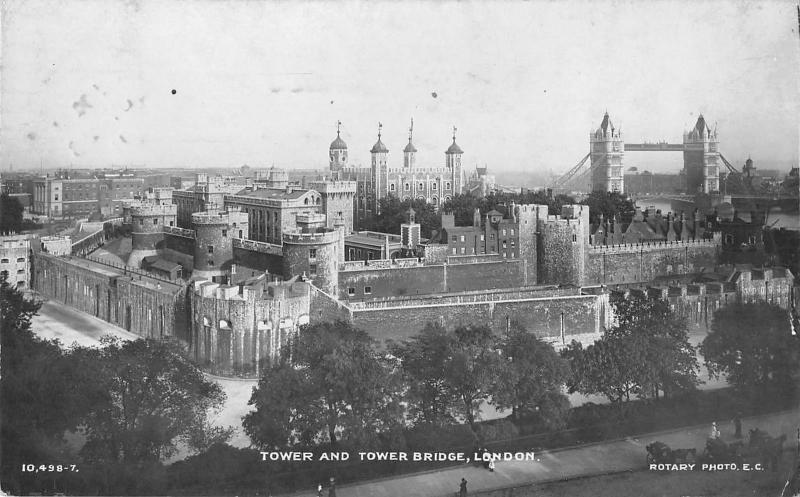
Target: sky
column 167, row 83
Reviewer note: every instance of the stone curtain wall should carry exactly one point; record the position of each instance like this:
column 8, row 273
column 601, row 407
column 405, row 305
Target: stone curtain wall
column 325, row 308
column 643, row 262
column 146, row 306
column 423, row 280
column 580, row 315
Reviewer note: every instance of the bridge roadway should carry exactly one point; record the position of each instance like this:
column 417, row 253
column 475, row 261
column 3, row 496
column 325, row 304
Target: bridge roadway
column 587, row 460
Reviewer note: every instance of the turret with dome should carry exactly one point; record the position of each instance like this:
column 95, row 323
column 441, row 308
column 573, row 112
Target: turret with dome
column 338, row 151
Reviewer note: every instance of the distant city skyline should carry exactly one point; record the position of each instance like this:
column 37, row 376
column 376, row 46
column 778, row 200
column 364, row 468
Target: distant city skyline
column 260, row 83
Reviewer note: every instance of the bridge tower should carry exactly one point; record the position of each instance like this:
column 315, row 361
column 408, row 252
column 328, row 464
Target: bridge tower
column 701, row 158
column 607, row 150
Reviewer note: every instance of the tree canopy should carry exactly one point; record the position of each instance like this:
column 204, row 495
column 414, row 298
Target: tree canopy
column 752, row 345
column 530, row 381
column 10, row 213
column 609, row 204
column 394, row 212
column 334, row 386
column 154, row 398
column 646, row 352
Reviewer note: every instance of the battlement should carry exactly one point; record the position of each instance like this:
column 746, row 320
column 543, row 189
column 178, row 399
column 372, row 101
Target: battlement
column 255, row 246
column 311, row 218
column 334, row 186
column 174, row 230
column 653, row 245
column 616, row 136
column 300, row 238
column 227, row 217
column 380, row 264
column 149, row 210
column 254, row 289
column 471, row 297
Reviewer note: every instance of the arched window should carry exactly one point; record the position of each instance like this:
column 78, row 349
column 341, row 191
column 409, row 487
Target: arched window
column 319, row 200
column 305, row 201
column 391, row 187
column 422, row 186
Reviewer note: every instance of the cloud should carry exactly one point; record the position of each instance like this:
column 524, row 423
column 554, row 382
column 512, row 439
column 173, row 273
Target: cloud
column 122, row 139
column 81, row 105
column 55, row 124
column 31, row 136
column 297, row 90
column 130, row 105
column 95, row 137
column 72, row 148
column 275, row 90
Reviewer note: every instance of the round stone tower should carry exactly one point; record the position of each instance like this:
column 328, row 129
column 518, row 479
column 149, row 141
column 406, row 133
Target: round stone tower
column 147, row 229
column 213, row 245
column 313, row 250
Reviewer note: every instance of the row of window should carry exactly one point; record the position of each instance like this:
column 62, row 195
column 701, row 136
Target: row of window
column 351, row 291
column 6, row 261
column 421, row 186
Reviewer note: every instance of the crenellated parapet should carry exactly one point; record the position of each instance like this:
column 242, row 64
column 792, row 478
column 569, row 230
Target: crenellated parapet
column 174, row 230
column 231, row 216
column 255, row 246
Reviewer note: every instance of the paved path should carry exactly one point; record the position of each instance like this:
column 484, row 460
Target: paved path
column 56, row 320
column 592, row 459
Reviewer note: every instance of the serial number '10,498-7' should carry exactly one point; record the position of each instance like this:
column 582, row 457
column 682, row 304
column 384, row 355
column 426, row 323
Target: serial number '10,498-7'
column 49, row 468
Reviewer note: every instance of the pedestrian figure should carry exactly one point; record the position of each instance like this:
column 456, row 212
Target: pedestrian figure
column 714, row 430
column 462, row 489
column 737, row 423
column 319, row 490
column 332, row 489
column 491, row 465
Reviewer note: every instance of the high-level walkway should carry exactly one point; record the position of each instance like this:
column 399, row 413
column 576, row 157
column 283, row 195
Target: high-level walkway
column 586, row 460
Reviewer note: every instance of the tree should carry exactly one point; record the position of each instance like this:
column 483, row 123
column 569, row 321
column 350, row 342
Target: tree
column 659, row 339
column 154, row 398
column 530, row 381
column 462, row 206
column 645, row 353
column 422, row 360
column 288, row 409
column 470, row 368
column 601, row 368
column 42, row 393
column 752, row 345
column 609, row 204
column 10, row 213
column 394, row 212
column 337, row 386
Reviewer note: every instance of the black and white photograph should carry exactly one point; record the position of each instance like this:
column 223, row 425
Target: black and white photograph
column 400, row 248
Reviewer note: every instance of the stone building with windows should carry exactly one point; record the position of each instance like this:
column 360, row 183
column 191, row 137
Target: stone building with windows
column 15, row 259
column 434, row 184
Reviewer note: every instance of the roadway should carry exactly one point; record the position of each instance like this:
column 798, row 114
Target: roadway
column 574, row 462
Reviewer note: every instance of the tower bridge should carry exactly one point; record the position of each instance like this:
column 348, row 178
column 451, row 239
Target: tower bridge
column 603, row 165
